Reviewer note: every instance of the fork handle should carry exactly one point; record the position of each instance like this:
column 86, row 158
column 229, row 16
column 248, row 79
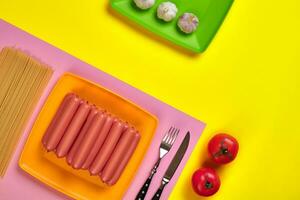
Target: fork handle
column 144, row 189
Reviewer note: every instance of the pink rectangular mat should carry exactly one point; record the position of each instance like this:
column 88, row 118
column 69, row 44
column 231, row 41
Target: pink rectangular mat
column 17, row 184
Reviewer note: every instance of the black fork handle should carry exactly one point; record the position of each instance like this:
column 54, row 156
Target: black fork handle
column 144, row 189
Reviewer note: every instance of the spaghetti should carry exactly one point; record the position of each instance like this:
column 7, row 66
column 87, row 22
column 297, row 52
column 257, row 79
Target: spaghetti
column 22, row 80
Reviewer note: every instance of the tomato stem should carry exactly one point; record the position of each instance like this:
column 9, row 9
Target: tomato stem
column 224, row 150
column 208, row 185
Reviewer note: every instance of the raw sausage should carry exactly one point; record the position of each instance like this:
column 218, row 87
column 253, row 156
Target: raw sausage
column 73, row 129
column 126, row 126
column 62, row 119
column 55, row 118
column 120, row 152
column 88, row 141
column 99, row 142
column 124, row 160
column 107, row 148
column 82, row 133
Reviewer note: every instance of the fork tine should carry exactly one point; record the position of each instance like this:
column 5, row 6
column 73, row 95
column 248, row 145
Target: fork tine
column 175, row 136
column 171, row 129
column 169, row 137
column 166, row 135
column 172, row 136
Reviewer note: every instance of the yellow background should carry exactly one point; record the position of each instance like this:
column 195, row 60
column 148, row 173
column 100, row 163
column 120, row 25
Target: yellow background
column 246, row 83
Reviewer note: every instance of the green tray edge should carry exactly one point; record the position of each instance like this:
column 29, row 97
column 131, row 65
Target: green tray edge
column 199, row 49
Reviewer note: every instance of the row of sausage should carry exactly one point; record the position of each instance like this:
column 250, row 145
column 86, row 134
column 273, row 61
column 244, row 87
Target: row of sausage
column 91, row 139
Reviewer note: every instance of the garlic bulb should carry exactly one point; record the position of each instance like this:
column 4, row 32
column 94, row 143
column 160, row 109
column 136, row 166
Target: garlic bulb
column 188, row 23
column 144, row 4
column 167, row 11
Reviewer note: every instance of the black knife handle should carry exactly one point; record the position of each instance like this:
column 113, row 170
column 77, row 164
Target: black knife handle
column 143, row 191
column 158, row 193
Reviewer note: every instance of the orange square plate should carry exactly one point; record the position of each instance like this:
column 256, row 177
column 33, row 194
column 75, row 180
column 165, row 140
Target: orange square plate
column 56, row 172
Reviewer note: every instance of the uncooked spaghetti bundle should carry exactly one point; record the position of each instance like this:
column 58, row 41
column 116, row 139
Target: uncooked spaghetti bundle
column 22, row 80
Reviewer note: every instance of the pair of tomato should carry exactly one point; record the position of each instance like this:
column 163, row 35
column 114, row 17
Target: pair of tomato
column 223, row 149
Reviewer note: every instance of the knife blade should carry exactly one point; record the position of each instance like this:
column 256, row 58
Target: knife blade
column 178, row 157
column 173, row 166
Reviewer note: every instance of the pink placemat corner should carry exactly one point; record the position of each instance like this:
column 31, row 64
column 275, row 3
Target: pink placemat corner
column 29, row 188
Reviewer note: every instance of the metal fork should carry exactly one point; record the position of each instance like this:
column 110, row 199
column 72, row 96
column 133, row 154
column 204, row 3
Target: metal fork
column 164, row 148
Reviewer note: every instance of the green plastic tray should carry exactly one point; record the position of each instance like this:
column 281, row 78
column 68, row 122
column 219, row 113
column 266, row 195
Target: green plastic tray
column 211, row 14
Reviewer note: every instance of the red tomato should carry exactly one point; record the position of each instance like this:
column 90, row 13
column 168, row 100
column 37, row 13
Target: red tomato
column 206, row 182
column 223, row 148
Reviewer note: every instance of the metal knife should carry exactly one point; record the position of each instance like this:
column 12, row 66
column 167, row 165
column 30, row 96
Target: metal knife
column 173, row 166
